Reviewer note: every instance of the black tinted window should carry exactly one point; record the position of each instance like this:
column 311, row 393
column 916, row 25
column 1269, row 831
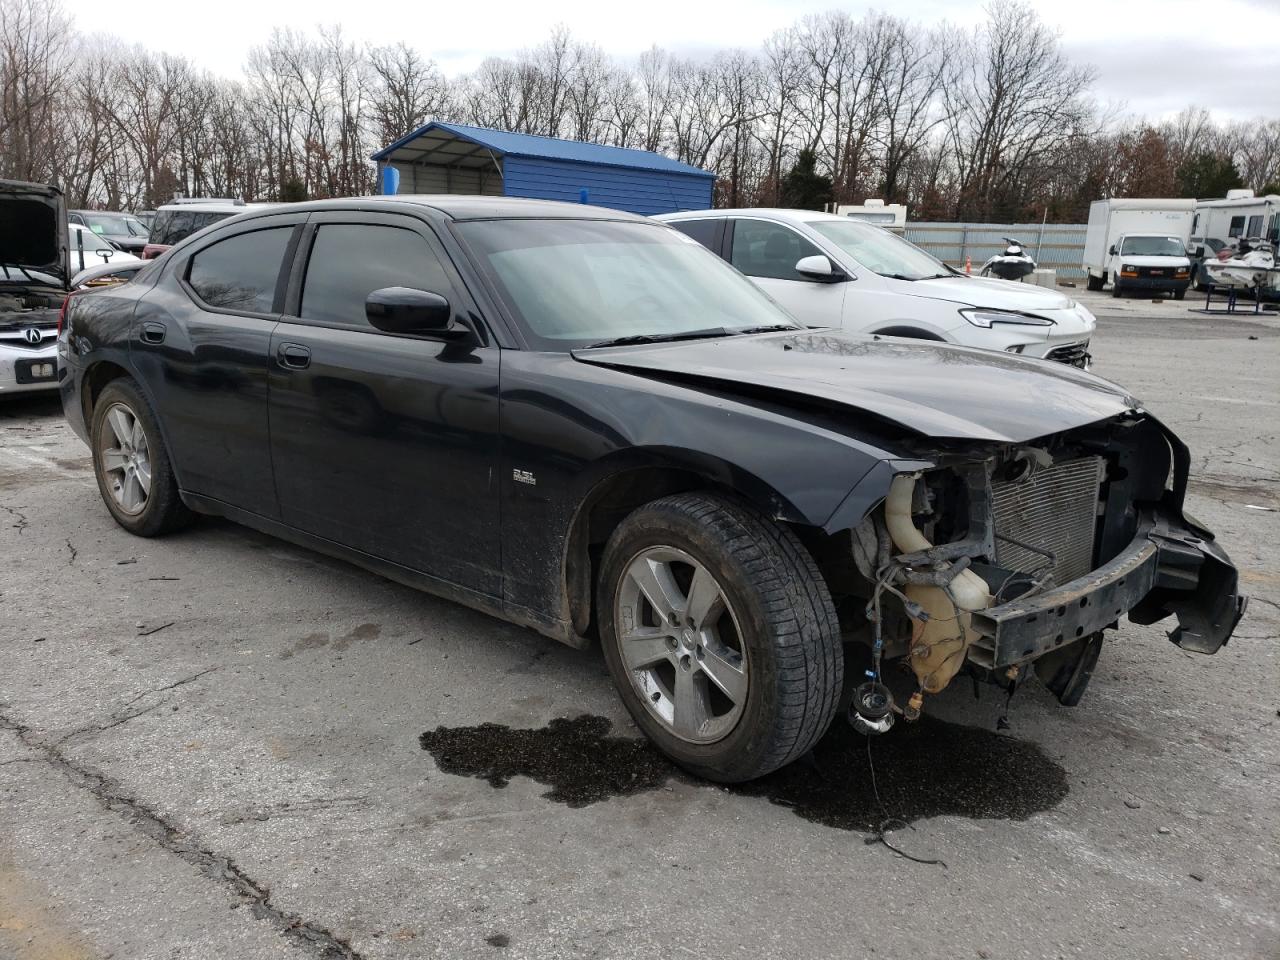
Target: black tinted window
column 762, row 249
column 706, row 232
column 351, row 260
column 240, row 273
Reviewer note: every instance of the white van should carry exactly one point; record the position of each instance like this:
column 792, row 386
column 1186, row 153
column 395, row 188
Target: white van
column 832, row 271
column 1127, row 233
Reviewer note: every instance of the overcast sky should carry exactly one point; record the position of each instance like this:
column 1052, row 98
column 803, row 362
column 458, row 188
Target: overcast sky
column 1153, row 56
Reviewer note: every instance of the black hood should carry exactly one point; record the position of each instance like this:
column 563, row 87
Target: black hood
column 935, row 389
column 33, row 233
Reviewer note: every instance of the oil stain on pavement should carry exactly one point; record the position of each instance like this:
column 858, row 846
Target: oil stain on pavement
column 926, row 769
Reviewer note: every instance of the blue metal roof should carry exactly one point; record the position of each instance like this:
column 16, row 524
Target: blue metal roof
column 550, row 148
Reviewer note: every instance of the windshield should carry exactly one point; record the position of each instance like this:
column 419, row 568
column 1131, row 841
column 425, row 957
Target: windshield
column 574, row 283
column 1152, row 247
column 115, row 224
column 880, row 251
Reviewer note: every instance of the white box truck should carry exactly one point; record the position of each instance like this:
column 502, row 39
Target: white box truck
column 1139, row 244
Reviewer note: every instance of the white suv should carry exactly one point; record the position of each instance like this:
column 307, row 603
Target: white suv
column 831, row 271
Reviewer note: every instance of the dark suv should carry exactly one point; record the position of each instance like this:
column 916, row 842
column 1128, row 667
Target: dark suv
column 581, row 421
column 176, row 221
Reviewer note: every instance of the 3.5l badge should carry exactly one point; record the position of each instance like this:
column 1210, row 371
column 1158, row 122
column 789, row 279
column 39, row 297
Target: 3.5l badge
column 524, row 476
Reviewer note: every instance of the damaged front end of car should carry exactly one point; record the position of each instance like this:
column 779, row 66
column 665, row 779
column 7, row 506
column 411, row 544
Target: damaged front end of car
column 1004, row 560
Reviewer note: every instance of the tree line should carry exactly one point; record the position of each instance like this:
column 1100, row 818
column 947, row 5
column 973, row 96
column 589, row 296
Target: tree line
column 990, row 123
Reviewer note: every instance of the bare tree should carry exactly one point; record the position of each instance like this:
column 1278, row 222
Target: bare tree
column 1015, row 102
column 34, row 57
column 407, row 91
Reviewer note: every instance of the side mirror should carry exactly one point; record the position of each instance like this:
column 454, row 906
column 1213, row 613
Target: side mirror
column 405, row 310
column 1114, row 250
column 819, row 268
column 105, row 254
column 1199, row 254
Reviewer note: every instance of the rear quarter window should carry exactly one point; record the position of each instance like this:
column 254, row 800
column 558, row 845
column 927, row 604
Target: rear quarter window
column 242, row 272
column 706, row 232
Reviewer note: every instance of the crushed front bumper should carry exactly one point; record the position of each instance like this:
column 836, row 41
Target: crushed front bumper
column 1168, row 568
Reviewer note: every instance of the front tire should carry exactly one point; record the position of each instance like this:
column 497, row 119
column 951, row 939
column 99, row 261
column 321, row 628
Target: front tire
column 132, row 465
column 1115, row 290
column 720, row 635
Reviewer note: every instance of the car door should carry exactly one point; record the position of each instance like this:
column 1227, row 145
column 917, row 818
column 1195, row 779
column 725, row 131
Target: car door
column 767, row 252
column 200, row 341
column 386, row 443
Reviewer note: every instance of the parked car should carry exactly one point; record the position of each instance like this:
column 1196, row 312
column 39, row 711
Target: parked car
column 33, row 284
column 123, row 230
column 1153, row 264
column 88, row 249
column 1200, row 250
column 577, row 420
column 831, row 271
column 176, row 221
column 146, row 216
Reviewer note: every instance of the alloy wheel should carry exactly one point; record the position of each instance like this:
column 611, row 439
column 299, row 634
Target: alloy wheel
column 679, row 639
column 125, row 459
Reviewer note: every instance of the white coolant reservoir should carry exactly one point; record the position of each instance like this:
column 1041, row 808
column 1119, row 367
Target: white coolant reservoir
column 940, row 643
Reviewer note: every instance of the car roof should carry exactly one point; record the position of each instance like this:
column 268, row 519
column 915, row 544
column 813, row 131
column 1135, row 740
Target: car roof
column 468, row 207
column 765, row 213
column 212, row 206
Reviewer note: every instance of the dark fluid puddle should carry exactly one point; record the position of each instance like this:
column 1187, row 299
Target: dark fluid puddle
column 925, row 769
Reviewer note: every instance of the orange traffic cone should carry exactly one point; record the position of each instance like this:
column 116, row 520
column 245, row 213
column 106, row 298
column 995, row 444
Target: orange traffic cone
column 968, row 265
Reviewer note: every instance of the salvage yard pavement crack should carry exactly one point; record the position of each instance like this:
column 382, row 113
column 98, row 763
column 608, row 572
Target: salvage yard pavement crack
column 13, row 512
column 171, row 686
column 124, row 715
column 212, row 866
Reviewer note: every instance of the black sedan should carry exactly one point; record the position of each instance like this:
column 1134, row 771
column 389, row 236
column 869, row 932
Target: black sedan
column 583, row 422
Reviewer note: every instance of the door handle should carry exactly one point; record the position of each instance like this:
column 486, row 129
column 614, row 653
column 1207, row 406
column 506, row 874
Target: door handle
column 153, row 332
column 294, row 356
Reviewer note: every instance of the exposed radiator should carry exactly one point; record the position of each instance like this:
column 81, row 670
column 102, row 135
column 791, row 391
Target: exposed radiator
column 1055, row 510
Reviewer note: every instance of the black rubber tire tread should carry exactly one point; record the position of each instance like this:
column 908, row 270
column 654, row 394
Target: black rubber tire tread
column 808, row 663
column 165, row 512
column 1094, row 283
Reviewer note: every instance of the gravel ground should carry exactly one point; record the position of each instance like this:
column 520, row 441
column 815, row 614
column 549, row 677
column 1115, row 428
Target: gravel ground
column 219, row 745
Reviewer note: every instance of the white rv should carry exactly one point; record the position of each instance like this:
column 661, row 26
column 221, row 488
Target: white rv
column 1240, row 214
column 1139, row 244
column 891, row 216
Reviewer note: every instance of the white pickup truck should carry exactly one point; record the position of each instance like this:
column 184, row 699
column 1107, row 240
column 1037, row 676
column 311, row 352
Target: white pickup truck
column 1139, row 245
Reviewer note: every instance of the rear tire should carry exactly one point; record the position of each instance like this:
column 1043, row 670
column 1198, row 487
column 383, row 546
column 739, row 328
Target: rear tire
column 1094, row 283
column 132, row 465
column 772, row 633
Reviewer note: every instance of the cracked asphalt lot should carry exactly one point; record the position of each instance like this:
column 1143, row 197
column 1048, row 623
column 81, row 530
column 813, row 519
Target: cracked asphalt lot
column 209, row 748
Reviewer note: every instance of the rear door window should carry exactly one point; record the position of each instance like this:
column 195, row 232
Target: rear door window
column 706, row 232
column 242, row 272
column 763, row 249
column 350, row 260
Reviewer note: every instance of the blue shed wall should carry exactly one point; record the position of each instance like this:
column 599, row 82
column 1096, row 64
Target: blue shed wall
column 646, row 192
